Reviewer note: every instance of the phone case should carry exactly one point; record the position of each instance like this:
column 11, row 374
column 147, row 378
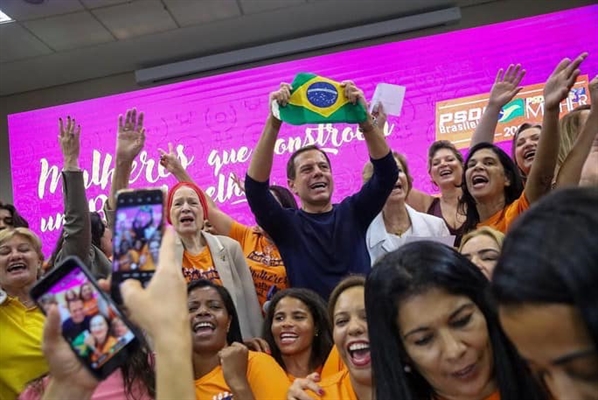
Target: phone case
column 93, row 325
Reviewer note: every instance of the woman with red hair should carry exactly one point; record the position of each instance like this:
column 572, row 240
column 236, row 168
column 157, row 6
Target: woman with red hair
column 213, row 257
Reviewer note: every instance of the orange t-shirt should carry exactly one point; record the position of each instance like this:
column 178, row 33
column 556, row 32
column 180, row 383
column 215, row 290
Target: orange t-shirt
column 264, row 261
column 336, row 387
column 146, row 261
column 108, row 344
column 266, row 379
column 334, row 364
column 90, row 307
column 200, row 266
column 502, row 220
column 293, row 377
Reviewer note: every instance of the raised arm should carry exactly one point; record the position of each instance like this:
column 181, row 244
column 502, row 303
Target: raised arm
column 129, row 142
column 505, row 88
column 556, row 89
column 260, row 166
column 219, row 220
column 77, row 224
column 373, row 134
column 570, row 172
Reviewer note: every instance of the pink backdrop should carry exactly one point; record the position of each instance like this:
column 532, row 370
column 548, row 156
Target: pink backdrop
column 216, row 121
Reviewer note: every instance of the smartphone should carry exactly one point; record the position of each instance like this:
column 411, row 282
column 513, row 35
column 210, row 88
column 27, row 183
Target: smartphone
column 97, row 331
column 137, row 235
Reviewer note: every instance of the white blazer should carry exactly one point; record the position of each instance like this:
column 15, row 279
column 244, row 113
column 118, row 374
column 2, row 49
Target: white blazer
column 380, row 242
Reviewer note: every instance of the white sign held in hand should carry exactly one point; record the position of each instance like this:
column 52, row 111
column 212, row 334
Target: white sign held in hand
column 391, row 97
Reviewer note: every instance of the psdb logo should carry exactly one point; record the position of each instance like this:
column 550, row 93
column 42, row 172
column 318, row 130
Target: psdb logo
column 322, row 94
column 512, row 110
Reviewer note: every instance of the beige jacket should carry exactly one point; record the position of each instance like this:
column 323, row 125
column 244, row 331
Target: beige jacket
column 235, row 275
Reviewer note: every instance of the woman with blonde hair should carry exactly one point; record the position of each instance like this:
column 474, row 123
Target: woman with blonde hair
column 21, row 321
column 482, row 247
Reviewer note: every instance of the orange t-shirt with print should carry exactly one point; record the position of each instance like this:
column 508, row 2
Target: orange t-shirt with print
column 502, row 220
column 266, row 380
column 264, row 260
column 200, row 266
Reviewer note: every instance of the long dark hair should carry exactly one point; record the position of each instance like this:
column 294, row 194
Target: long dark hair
column 234, row 332
column 322, row 343
column 17, row 220
column 97, row 229
column 467, row 203
column 285, row 197
column 551, row 256
column 413, row 269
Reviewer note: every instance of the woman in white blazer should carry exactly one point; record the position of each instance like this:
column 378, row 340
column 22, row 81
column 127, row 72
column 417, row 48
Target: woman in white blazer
column 398, row 223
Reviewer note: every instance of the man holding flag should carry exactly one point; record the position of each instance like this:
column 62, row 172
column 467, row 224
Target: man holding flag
column 322, row 242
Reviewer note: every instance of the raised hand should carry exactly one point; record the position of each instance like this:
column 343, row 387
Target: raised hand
column 131, row 135
column 68, row 138
column 353, row 93
column 561, row 81
column 170, row 161
column 379, row 115
column 282, row 95
column 506, row 85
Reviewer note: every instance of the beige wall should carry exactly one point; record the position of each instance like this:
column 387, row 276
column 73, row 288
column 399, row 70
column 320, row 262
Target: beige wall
column 480, row 14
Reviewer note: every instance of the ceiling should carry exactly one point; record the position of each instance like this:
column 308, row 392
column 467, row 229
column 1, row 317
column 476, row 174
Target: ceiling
column 63, row 41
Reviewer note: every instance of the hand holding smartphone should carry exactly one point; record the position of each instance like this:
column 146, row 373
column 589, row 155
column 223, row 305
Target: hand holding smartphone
column 93, row 326
column 138, row 231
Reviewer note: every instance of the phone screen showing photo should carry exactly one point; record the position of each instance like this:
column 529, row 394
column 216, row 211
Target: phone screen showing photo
column 92, row 325
column 138, row 230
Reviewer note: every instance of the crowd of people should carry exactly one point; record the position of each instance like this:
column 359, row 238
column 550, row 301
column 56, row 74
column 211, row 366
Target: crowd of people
column 485, row 291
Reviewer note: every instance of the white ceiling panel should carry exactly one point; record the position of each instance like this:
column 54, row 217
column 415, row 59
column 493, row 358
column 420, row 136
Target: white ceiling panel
column 257, row 6
column 102, row 3
column 189, row 12
column 21, row 11
column 69, row 31
column 17, row 43
column 134, row 19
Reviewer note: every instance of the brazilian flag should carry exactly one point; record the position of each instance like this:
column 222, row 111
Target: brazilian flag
column 315, row 99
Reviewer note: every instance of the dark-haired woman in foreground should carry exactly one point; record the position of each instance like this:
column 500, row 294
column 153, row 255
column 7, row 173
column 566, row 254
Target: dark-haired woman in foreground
column 433, row 333
column 298, row 332
column 546, row 284
column 224, row 368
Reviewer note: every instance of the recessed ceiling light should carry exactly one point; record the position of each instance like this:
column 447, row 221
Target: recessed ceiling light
column 5, row 18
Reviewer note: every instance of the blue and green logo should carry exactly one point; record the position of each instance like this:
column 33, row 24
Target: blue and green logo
column 512, row 110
